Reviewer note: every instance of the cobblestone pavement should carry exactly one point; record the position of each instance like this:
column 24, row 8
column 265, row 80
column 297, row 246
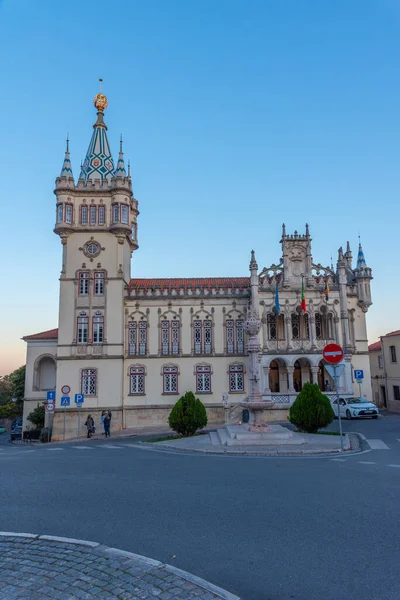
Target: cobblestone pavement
column 38, row 568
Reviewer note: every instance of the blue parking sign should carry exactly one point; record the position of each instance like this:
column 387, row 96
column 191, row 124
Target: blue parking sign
column 358, row 374
column 79, row 398
column 51, row 396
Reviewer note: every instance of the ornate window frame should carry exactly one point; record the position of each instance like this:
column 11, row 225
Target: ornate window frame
column 89, row 381
column 235, row 369
column 82, row 328
column 98, row 327
column 137, row 373
column 203, row 374
column 170, row 379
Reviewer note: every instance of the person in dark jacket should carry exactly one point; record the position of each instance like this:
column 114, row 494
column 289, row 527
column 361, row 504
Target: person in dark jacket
column 107, row 423
column 90, row 426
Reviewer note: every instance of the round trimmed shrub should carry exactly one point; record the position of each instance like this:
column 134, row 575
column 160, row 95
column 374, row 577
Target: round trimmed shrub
column 311, row 410
column 188, row 415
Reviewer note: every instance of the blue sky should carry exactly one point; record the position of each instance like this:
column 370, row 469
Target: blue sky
column 236, row 115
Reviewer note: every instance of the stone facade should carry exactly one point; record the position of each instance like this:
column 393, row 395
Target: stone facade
column 384, row 357
column 135, row 345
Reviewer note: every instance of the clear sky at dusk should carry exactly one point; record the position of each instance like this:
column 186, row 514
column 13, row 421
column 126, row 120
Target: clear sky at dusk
column 237, row 115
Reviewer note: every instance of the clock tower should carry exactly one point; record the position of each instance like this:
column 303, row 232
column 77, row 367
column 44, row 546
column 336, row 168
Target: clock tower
column 96, row 219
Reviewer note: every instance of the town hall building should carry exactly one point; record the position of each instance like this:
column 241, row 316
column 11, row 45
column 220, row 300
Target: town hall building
column 134, row 346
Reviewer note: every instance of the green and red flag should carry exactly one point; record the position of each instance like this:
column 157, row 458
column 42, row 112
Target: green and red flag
column 303, row 298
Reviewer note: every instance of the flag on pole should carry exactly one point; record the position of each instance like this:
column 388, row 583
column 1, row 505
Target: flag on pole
column 327, row 290
column 303, row 298
column 277, row 305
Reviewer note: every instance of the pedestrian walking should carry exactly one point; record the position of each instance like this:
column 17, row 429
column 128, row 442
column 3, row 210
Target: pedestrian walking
column 107, row 424
column 90, row 426
column 103, row 414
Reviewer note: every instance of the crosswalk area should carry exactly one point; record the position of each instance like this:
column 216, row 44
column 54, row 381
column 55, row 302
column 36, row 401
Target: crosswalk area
column 374, row 444
column 13, row 450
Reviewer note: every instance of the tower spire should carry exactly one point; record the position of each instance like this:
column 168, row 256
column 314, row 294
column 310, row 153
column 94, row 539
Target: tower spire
column 98, row 163
column 120, row 170
column 361, row 263
column 66, row 170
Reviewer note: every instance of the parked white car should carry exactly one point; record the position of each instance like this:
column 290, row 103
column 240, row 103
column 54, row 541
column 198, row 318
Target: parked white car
column 353, row 408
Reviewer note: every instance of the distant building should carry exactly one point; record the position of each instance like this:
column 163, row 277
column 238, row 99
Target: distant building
column 384, row 358
column 135, row 345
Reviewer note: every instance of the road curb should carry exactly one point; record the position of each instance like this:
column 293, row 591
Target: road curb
column 115, row 552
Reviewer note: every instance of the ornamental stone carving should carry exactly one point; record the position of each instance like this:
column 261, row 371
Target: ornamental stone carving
column 252, row 324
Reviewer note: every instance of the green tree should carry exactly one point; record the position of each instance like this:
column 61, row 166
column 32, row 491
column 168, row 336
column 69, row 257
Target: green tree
column 5, row 390
column 311, row 410
column 36, row 417
column 9, row 410
column 188, row 415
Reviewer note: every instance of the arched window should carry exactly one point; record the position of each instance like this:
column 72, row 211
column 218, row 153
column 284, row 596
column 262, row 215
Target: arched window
column 170, row 336
column 271, row 327
column 137, row 338
column 202, row 333
column 98, row 328
column 234, row 336
column 89, row 382
column 295, row 326
column 137, row 375
column 82, row 328
column 46, row 373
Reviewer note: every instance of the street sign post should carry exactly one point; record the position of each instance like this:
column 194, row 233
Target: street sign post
column 333, row 355
column 79, row 400
column 359, row 376
column 50, row 407
column 51, row 396
column 65, row 401
column 65, row 390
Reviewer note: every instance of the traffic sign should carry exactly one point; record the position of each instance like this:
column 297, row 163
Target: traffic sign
column 65, row 390
column 50, row 407
column 65, row 401
column 79, row 398
column 333, row 354
column 51, row 396
column 334, row 370
column 358, row 374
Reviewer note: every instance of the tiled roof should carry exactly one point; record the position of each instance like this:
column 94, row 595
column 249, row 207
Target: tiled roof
column 397, row 332
column 202, row 282
column 51, row 334
column 375, row 346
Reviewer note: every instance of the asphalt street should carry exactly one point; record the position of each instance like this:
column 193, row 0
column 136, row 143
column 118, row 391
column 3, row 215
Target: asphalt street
column 263, row 528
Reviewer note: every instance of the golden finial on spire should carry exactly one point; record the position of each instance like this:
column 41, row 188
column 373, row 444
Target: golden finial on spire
column 100, row 100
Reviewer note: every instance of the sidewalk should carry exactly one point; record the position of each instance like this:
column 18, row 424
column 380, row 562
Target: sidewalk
column 47, row 568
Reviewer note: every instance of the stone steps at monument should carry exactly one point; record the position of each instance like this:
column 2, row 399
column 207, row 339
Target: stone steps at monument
column 214, row 438
column 223, row 437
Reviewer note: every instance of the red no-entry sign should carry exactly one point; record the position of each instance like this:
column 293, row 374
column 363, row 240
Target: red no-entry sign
column 333, row 354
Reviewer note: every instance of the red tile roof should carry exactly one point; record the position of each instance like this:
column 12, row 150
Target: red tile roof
column 375, row 346
column 201, row 282
column 393, row 333
column 51, row 334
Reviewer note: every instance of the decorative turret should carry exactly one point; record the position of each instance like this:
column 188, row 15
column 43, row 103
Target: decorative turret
column 349, row 256
column 120, row 170
column 98, row 164
column 297, row 259
column 66, row 170
column 363, row 276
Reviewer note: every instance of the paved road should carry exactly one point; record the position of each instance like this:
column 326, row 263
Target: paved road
column 264, row 528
